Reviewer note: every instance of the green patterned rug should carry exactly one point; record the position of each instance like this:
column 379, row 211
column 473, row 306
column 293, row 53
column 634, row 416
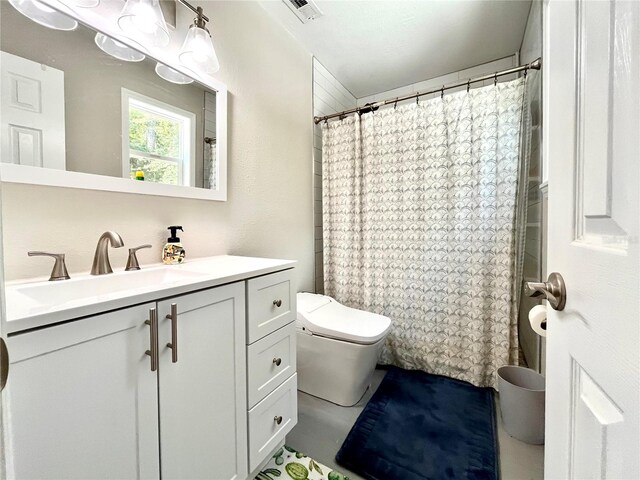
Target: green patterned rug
column 289, row 464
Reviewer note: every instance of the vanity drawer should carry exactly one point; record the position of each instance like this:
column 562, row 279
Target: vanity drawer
column 270, row 361
column 271, row 304
column 271, row 419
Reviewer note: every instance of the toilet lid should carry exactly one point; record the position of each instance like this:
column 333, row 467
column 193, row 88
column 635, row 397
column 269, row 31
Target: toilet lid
column 322, row 315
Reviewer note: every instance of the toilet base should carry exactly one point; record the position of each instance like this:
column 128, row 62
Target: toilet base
column 333, row 370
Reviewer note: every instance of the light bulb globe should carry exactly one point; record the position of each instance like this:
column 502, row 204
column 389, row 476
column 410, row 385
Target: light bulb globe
column 117, row 49
column 197, row 51
column 143, row 21
column 44, row 15
column 171, row 75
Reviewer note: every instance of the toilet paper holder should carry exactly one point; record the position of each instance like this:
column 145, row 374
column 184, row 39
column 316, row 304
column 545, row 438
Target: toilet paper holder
column 553, row 290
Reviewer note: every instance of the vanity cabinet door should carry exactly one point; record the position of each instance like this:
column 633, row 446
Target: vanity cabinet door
column 84, row 400
column 203, row 425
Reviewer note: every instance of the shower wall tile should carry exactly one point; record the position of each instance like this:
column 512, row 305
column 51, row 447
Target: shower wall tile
column 532, row 345
column 329, row 96
column 534, row 213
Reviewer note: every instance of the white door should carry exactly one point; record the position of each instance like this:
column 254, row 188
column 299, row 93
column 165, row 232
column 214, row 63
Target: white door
column 203, row 415
column 32, row 114
column 592, row 149
column 84, row 400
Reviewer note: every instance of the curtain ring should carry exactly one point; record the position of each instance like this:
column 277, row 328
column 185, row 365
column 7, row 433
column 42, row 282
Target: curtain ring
column 395, row 104
column 442, row 92
column 495, row 79
column 326, row 121
column 468, row 85
column 417, row 97
column 525, row 72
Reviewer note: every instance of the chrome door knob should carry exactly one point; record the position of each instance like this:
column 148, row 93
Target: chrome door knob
column 277, row 419
column 277, row 303
column 553, row 290
column 277, row 361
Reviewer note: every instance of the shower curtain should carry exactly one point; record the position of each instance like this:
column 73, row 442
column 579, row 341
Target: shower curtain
column 423, row 221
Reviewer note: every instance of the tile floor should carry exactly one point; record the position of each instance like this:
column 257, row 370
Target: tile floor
column 323, row 426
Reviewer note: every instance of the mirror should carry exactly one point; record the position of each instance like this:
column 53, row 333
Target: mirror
column 67, row 105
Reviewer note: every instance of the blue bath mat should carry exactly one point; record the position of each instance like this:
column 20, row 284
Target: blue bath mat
column 419, row 426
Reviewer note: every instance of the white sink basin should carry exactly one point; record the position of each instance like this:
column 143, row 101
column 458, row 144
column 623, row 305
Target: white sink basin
column 29, row 298
column 39, row 303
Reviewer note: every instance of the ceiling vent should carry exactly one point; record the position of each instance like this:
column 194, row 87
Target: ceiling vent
column 305, row 10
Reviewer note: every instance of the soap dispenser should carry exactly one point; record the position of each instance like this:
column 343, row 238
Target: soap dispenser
column 173, row 252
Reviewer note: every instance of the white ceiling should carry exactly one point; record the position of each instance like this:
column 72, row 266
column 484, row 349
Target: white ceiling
column 376, row 45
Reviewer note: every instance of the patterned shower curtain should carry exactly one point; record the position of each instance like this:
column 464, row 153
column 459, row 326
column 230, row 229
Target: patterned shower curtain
column 423, row 212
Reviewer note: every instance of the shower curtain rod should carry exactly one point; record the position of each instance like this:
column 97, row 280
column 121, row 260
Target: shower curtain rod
column 371, row 107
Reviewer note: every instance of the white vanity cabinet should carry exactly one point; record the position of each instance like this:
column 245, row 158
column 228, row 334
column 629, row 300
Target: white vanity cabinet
column 203, row 426
column 169, row 388
column 271, row 363
column 83, row 399
column 86, row 403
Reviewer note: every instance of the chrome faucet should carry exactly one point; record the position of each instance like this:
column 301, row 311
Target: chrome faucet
column 101, row 263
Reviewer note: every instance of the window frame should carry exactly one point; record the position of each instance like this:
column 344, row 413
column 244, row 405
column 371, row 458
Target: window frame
column 187, row 159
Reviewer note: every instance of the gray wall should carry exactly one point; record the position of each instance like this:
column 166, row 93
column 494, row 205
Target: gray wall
column 93, row 83
column 269, row 211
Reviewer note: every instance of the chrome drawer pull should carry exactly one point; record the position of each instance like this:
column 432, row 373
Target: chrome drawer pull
column 173, row 345
column 153, row 338
column 277, row 419
column 277, row 361
column 277, row 303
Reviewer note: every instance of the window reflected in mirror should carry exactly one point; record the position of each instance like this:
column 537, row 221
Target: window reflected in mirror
column 158, row 141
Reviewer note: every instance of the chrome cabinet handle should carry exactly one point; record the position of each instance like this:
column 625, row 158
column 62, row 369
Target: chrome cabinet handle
column 59, row 271
column 173, row 345
column 132, row 261
column 553, row 290
column 277, row 419
column 4, row 363
column 153, row 338
column 277, row 303
column 277, row 361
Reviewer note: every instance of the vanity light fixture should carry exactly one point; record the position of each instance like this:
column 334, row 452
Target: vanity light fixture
column 171, row 75
column 44, row 15
column 143, row 21
column 197, row 51
column 117, row 49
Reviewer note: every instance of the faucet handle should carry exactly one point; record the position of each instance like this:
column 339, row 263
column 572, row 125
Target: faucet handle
column 132, row 261
column 59, row 271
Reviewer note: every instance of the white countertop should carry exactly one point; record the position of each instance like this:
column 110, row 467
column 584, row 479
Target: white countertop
column 39, row 303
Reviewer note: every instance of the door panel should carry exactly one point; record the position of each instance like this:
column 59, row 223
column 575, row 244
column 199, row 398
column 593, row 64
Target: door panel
column 592, row 125
column 83, row 400
column 203, row 421
column 32, row 120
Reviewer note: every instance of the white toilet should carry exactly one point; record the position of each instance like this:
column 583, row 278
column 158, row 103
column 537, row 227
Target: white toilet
column 338, row 348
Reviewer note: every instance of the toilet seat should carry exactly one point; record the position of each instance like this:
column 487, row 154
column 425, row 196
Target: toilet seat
column 324, row 316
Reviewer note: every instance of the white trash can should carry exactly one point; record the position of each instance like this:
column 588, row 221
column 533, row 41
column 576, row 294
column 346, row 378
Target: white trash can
column 522, row 403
